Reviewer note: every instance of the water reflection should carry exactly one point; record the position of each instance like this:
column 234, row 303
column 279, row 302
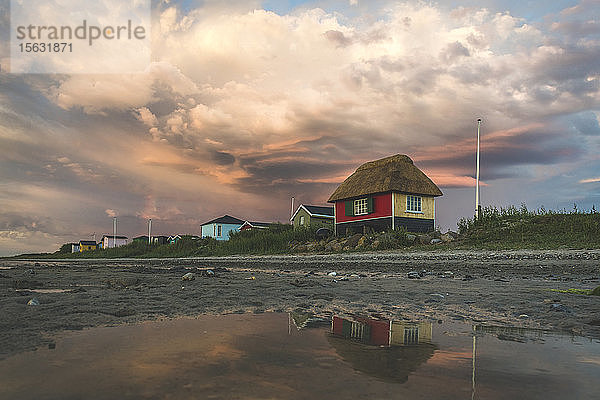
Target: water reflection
column 385, row 349
column 286, row 356
column 382, row 332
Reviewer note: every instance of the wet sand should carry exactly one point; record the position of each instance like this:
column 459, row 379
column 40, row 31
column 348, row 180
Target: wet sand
column 498, row 288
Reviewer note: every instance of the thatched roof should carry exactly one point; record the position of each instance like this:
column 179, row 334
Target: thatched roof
column 396, row 173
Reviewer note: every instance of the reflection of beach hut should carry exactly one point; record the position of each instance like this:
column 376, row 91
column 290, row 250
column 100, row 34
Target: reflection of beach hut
column 382, row 332
column 385, row 194
column 370, row 331
column 388, row 350
column 390, row 364
column 403, row 333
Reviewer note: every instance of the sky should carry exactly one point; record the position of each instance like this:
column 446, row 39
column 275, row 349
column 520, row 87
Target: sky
column 247, row 103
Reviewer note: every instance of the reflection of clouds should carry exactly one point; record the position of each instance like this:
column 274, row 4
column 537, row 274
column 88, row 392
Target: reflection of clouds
column 450, row 358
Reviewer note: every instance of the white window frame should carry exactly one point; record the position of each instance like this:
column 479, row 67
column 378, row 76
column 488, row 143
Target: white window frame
column 361, row 206
column 219, row 230
column 302, row 220
column 414, row 204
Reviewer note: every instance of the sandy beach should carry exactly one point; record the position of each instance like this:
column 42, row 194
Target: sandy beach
column 509, row 288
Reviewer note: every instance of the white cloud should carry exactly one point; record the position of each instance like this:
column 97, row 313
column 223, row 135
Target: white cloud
column 240, row 101
column 591, row 180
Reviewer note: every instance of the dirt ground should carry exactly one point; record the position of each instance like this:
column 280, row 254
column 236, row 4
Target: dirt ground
column 511, row 288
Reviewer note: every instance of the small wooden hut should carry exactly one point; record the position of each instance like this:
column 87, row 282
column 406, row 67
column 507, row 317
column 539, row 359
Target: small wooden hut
column 385, row 194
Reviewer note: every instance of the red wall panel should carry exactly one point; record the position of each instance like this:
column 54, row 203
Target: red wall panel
column 383, row 208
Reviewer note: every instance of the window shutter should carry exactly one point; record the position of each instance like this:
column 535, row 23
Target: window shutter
column 370, row 205
column 349, row 208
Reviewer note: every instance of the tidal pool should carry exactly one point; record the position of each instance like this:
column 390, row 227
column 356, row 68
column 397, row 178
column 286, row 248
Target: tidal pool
column 285, row 356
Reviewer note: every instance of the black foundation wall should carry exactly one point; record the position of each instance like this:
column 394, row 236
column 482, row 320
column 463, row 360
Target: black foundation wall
column 419, row 225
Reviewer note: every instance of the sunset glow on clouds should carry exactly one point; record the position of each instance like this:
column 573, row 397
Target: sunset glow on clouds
column 242, row 108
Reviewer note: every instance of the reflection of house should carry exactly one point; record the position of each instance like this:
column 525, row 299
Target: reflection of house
column 388, row 350
column 246, row 226
column 219, row 228
column 404, row 333
column 313, row 216
column 365, row 330
column 385, row 194
column 109, row 242
column 87, row 245
column 382, row 332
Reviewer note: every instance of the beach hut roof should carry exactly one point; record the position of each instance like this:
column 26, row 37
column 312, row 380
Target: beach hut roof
column 396, row 173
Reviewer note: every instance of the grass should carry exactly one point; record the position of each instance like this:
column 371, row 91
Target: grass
column 520, row 228
column 495, row 229
column 274, row 240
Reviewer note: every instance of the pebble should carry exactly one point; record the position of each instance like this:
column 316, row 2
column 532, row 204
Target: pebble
column 188, row 277
column 559, row 307
column 413, row 275
column 33, row 302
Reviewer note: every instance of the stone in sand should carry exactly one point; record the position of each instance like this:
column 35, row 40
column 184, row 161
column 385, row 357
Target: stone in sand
column 33, row 302
column 188, row 277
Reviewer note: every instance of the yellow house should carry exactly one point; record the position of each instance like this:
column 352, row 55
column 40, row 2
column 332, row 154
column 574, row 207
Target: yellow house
column 86, row 245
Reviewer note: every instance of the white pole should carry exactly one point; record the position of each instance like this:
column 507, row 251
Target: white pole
column 114, row 232
column 473, row 368
column 477, row 174
column 292, row 212
column 149, row 230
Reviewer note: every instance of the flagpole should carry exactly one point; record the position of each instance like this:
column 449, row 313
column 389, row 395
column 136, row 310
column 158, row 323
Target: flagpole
column 477, row 206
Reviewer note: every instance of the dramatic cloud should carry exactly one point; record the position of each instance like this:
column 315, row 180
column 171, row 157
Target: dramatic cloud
column 242, row 108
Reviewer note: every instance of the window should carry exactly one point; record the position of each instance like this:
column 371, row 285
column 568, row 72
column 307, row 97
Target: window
column 411, row 335
column 360, row 207
column 302, row 220
column 413, row 203
column 219, row 230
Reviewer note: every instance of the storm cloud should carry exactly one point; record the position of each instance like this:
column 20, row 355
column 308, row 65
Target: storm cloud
column 243, row 108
